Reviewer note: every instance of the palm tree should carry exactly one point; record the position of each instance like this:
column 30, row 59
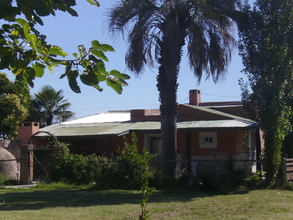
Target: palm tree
column 50, row 107
column 158, row 30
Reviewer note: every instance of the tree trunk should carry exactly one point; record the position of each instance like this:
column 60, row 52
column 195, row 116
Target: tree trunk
column 167, row 87
column 170, row 57
column 168, row 125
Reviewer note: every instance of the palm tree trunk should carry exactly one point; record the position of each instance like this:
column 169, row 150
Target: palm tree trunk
column 167, row 87
column 168, row 125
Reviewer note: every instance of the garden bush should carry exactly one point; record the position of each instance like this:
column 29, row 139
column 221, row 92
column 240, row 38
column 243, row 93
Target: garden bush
column 127, row 171
column 219, row 177
column 4, row 181
column 72, row 168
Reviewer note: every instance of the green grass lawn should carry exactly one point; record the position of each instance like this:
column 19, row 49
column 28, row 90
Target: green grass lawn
column 64, row 202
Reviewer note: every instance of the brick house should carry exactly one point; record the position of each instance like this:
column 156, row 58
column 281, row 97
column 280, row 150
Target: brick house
column 205, row 131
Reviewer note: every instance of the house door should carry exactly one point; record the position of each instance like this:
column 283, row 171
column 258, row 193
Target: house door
column 153, row 143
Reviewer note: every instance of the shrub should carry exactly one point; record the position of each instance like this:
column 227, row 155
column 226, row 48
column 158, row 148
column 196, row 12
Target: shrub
column 72, row 168
column 128, row 171
column 7, row 182
column 254, row 180
column 220, row 178
column 111, row 174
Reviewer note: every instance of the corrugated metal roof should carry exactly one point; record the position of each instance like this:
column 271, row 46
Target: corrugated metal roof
column 112, row 116
column 115, row 128
column 216, row 124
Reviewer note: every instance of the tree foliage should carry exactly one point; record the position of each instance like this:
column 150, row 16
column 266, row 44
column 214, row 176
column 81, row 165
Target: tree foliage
column 50, row 107
column 266, row 46
column 14, row 103
column 25, row 51
column 157, row 32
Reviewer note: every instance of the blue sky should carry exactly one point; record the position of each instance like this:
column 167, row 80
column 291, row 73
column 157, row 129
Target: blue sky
column 68, row 32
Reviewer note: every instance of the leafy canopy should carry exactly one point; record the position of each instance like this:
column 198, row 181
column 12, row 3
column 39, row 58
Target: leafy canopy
column 14, row 102
column 25, row 51
column 50, row 107
column 266, row 47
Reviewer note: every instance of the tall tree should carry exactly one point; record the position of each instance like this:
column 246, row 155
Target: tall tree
column 266, row 46
column 25, row 51
column 50, row 107
column 157, row 31
column 14, row 103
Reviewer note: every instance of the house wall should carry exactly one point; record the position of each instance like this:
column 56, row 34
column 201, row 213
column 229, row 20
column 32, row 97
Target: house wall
column 107, row 145
column 229, row 142
column 145, row 115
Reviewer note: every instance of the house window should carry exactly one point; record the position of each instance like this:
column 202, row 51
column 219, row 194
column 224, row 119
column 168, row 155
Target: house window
column 152, row 142
column 208, row 139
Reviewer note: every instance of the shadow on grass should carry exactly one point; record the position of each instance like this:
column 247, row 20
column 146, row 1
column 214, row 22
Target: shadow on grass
column 38, row 199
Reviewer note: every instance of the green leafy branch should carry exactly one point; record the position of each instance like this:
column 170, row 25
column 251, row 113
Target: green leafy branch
column 143, row 172
column 25, row 52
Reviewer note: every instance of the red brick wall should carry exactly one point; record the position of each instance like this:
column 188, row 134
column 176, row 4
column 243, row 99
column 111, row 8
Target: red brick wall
column 26, row 130
column 228, row 142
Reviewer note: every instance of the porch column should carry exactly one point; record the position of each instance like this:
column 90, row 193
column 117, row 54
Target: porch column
column 188, row 151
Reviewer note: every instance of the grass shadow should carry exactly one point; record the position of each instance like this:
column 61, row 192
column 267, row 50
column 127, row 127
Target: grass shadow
column 34, row 199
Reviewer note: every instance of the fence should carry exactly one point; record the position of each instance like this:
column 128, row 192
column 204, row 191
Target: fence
column 289, row 168
column 203, row 166
column 195, row 166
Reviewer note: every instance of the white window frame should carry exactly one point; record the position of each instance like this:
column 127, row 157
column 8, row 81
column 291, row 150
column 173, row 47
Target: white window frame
column 147, row 141
column 208, row 139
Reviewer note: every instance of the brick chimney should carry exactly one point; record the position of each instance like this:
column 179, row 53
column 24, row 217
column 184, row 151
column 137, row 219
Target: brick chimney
column 26, row 130
column 194, row 97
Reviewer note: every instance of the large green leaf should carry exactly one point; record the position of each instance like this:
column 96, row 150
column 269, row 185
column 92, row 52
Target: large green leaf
column 25, row 26
column 94, row 59
column 39, row 68
column 100, row 67
column 33, row 41
column 55, row 50
column 41, row 8
column 72, row 12
column 89, row 78
column 123, row 82
column 119, row 75
column 30, row 73
column 107, row 47
column 114, row 85
column 5, row 62
column 30, row 81
column 72, row 75
column 94, row 3
column 103, row 47
column 100, row 54
column 96, row 44
column 73, row 85
column 5, row 51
